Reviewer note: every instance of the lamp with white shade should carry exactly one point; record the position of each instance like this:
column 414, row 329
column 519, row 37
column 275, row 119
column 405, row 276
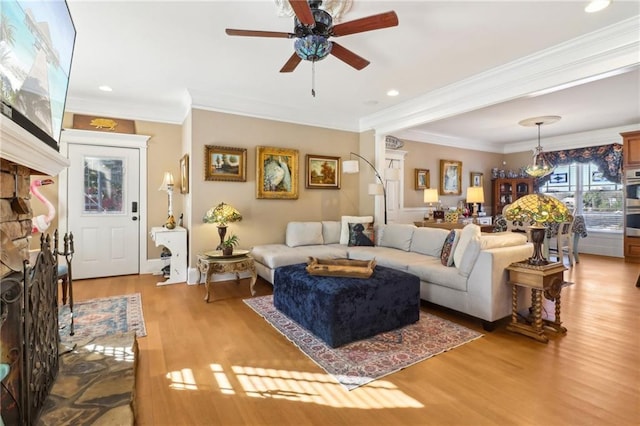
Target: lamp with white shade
column 475, row 196
column 353, row 166
column 167, row 185
column 430, row 196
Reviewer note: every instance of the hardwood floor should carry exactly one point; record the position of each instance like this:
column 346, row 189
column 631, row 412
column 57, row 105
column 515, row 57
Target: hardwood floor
column 222, row 364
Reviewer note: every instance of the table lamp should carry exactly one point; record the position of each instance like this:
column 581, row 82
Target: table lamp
column 538, row 209
column 167, row 185
column 475, row 196
column 430, row 196
column 221, row 215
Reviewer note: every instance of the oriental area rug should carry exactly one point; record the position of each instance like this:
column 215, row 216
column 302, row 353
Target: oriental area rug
column 97, row 365
column 102, row 317
column 361, row 362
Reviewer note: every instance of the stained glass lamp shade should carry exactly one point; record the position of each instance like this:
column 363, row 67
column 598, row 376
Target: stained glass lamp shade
column 312, row 47
column 221, row 215
column 538, row 209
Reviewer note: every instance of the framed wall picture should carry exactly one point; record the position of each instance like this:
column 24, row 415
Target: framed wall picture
column 184, row 174
column 322, row 172
column 476, row 179
column 422, row 179
column 225, row 164
column 450, row 177
column 276, row 173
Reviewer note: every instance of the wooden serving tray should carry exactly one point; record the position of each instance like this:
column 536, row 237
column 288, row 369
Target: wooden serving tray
column 341, row 267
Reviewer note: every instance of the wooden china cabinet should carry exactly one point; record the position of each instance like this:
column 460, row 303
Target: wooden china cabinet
column 506, row 190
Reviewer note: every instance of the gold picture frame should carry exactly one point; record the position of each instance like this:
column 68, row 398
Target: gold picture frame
column 184, row 174
column 322, row 172
column 223, row 163
column 476, row 179
column 450, row 177
column 276, row 173
column 422, row 179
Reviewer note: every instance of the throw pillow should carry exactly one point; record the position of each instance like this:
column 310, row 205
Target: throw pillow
column 469, row 232
column 346, row 220
column 446, row 257
column 361, row 234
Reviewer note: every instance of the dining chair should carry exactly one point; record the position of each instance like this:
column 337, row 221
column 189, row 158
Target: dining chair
column 564, row 242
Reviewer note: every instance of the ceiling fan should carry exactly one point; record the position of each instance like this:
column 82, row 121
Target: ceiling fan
column 312, row 29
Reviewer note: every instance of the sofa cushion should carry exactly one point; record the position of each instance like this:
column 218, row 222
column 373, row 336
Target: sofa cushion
column 430, row 269
column 466, row 235
column 346, row 220
column 331, row 231
column 502, row 239
column 275, row 255
column 468, row 249
column 385, row 256
column 397, row 235
column 428, row 241
column 304, row 234
column 448, row 247
column 361, row 234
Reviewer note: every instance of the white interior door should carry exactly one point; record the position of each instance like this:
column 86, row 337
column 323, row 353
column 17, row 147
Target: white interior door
column 103, row 210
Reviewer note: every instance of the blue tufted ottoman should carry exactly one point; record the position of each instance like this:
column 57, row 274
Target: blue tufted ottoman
column 341, row 310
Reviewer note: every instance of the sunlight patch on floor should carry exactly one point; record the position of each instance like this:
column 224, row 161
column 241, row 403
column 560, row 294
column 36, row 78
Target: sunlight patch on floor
column 119, row 353
column 316, row 388
column 182, row 379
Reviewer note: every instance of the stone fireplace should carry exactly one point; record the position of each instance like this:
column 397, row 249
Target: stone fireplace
column 28, row 291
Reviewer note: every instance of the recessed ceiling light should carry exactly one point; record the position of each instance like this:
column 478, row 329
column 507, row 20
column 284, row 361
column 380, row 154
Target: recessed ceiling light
column 393, row 92
column 597, row 5
column 371, row 102
column 105, row 88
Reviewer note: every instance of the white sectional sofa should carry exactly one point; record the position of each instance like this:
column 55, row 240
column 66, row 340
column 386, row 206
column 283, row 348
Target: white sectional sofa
column 474, row 284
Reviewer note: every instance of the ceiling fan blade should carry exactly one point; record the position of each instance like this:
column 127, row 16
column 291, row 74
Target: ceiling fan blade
column 374, row 22
column 303, row 12
column 253, row 33
column 292, row 63
column 348, row 56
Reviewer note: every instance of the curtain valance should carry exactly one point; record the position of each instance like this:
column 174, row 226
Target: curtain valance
column 608, row 158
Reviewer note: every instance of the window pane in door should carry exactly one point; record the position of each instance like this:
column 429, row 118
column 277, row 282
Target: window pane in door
column 103, row 189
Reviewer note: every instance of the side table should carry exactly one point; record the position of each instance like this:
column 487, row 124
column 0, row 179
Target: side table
column 214, row 262
column 547, row 279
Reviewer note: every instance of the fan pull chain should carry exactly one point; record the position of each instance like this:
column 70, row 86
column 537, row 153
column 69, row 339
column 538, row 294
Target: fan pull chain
column 313, row 78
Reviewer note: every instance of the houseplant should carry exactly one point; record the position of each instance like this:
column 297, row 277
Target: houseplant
column 228, row 244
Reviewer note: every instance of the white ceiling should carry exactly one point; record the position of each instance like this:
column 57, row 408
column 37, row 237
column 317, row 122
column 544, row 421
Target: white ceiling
column 163, row 57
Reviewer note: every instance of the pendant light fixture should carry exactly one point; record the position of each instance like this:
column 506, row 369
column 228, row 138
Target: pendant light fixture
column 539, row 167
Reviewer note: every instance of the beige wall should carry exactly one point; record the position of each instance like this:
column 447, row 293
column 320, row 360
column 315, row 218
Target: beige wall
column 164, row 151
column 264, row 220
column 427, row 156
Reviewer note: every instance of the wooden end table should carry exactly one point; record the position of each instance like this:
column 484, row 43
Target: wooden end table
column 547, row 279
column 214, row 262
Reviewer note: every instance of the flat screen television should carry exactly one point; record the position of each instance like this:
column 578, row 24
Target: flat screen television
column 37, row 38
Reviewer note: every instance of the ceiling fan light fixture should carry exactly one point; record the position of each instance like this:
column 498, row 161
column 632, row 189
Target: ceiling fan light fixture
column 312, row 47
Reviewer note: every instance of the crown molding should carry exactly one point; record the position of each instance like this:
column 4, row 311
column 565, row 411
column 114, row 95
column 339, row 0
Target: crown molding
column 130, row 110
column 259, row 108
column 597, row 53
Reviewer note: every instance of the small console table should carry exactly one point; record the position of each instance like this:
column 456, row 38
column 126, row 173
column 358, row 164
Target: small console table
column 214, row 262
column 176, row 241
column 547, row 279
column 451, row 225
